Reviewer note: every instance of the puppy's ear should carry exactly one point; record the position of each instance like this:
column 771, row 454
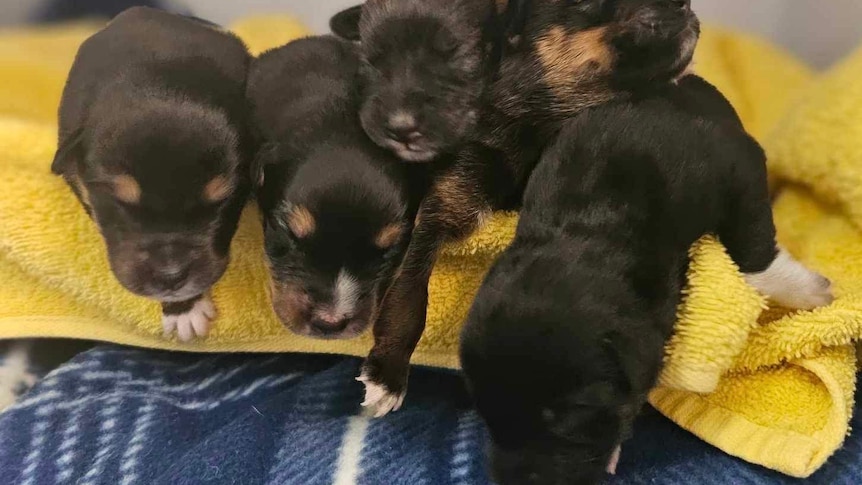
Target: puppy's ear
column 345, row 24
column 515, row 20
column 70, row 153
column 265, row 156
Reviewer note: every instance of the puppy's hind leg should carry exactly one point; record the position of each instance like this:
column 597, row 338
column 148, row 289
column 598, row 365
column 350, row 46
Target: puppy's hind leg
column 749, row 236
column 790, row 284
column 189, row 319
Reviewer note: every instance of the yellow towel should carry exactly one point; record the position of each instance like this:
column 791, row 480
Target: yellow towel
column 778, row 392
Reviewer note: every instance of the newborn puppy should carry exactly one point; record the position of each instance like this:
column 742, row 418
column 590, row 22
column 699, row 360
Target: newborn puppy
column 424, row 63
column 567, row 333
column 527, row 66
column 337, row 209
column 153, row 142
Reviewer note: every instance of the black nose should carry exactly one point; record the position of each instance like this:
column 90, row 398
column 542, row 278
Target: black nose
column 328, row 328
column 172, row 280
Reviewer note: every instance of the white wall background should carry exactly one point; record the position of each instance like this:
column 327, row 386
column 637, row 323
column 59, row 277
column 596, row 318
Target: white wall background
column 820, row 31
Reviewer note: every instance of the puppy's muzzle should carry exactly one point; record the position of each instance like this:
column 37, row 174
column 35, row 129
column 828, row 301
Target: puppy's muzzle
column 662, row 18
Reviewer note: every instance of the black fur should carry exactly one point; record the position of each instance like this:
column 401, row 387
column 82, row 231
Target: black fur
column 424, row 66
column 524, row 99
column 567, row 333
column 159, row 98
column 317, row 158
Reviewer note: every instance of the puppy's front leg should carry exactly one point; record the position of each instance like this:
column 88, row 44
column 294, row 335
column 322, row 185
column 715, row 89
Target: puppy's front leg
column 189, row 319
column 449, row 213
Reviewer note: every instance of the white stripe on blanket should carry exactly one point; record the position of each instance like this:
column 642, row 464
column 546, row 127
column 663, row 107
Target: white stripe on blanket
column 348, row 470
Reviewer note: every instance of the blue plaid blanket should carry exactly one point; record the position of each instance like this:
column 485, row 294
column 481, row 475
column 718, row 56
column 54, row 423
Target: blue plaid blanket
column 121, row 416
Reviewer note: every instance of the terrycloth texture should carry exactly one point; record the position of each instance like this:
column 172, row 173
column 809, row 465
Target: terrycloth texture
column 54, row 277
column 121, row 416
column 786, row 397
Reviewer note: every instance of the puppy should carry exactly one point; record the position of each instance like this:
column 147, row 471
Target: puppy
column 425, row 66
column 523, row 67
column 337, row 209
column 567, row 334
column 153, row 141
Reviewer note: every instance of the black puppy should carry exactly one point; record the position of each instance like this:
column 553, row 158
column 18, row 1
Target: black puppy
column 526, row 66
column 337, row 209
column 425, row 63
column 567, row 334
column 153, row 141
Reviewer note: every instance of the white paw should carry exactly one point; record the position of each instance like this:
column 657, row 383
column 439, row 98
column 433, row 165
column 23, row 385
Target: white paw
column 379, row 401
column 197, row 322
column 790, row 284
column 615, row 460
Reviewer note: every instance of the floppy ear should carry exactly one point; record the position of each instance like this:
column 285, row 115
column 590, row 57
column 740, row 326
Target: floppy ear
column 515, row 20
column 69, row 154
column 345, row 24
column 265, row 156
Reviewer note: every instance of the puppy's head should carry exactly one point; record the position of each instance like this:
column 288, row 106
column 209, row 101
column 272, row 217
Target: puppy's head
column 628, row 43
column 549, row 369
column 423, row 73
column 165, row 187
column 335, row 231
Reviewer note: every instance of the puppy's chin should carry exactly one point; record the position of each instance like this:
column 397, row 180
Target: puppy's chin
column 412, row 154
column 545, row 467
column 135, row 280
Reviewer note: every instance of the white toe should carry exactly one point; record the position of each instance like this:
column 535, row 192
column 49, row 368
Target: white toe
column 615, row 460
column 169, row 324
column 197, row 322
column 790, row 284
column 379, row 401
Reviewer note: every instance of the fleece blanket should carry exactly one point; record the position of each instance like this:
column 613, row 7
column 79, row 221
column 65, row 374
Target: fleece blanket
column 772, row 388
column 119, row 416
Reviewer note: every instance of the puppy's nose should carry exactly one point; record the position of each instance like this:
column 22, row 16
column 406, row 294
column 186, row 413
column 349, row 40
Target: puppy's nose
column 329, row 328
column 403, row 127
column 172, row 279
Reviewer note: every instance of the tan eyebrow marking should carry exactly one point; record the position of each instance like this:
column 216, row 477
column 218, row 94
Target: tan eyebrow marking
column 301, row 222
column 127, row 189
column 388, row 236
column 218, row 189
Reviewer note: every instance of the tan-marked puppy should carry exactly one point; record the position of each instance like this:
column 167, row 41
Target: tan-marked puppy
column 337, row 209
column 153, row 142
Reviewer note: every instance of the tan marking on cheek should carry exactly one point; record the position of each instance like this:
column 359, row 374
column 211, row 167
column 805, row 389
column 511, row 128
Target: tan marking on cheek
column 388, row 236
column 301, row 222
column 127, row 189
column 82, row 191
column 218, row 189
column 289, row 302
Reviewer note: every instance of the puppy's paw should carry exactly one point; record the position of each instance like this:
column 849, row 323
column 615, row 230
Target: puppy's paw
column 195, row 322
column 790, row 284
column 379, row 400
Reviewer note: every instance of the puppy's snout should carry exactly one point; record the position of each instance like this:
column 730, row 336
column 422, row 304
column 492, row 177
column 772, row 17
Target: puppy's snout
column 329, row 327
column 172, row 279
column 403, row 127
